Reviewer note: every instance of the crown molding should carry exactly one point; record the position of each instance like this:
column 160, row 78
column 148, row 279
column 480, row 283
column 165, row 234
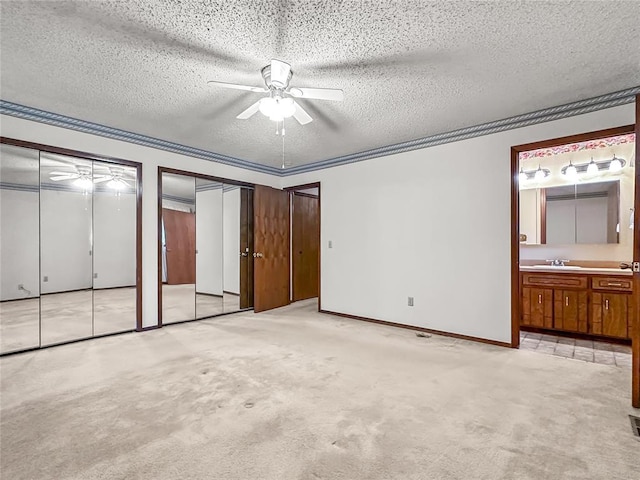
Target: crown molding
column 614, row 99
column 601, row 102
column 55, row 119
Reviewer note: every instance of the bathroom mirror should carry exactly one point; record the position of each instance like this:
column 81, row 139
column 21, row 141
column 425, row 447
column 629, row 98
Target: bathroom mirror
column 233, row 252
column 66, row 248
column 583, row 213
column 209, row 248
column 178, row 244
column 19, row 248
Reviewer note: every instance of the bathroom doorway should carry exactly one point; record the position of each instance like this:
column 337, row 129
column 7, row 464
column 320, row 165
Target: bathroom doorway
column 573, row 288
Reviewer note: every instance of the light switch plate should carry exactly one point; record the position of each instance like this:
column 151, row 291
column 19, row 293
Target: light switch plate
column 330, row 244
column 410, row 301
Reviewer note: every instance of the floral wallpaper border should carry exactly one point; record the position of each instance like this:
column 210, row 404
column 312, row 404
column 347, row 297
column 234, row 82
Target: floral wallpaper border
column 576, row 147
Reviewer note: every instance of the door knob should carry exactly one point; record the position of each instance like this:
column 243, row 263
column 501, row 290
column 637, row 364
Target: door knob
column 244, row 254
column 258, row 255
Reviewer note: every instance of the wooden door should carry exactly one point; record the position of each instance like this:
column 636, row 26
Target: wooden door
column 537, row 307
column 634, row 317
column 180, row 241
column 305, row 245
column 614, row 314
column 246, row 248
column 271, row 248
column 570, row 310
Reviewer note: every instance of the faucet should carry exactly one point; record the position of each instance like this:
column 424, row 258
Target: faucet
column 558, row 262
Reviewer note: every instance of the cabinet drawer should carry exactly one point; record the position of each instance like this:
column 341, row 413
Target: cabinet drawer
column 612, row 283
column 562, row 280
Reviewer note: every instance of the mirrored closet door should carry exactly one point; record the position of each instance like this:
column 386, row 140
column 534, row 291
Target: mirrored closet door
column 19, row 248
column 205, row 249
column 69, row 248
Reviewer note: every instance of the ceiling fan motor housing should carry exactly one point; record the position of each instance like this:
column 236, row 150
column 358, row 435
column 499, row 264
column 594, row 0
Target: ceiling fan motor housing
column 266, row 75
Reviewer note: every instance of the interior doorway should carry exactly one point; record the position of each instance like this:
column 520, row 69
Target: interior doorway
column 304, row 201
column 574, row 244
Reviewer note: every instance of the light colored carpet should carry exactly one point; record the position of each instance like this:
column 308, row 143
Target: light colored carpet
column 292, row 394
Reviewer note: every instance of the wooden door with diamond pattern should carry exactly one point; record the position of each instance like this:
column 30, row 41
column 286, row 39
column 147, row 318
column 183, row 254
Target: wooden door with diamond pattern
column 271, row 248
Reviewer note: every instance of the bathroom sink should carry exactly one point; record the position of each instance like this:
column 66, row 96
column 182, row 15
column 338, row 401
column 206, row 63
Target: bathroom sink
column 558, row 267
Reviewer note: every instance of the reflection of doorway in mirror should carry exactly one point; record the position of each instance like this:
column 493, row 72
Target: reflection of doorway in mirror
column 178, row 248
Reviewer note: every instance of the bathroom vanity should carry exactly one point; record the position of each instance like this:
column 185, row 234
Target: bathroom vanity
column 592, row 301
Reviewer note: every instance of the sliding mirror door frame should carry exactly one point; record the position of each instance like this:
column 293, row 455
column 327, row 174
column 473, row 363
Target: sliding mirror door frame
column 174, row 171
column 138, row 185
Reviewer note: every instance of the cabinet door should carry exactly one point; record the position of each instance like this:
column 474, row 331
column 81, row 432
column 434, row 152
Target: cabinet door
column 537, row 307
column 570, row 310
column 614, row 314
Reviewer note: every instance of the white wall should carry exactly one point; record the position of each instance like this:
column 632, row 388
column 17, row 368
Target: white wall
column 150, row 158
column 114, row 240
column 19, row 244
column 231, row 242
column 209, row 242
column 433, row 224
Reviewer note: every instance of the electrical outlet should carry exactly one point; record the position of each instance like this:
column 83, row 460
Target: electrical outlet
column 95, row 275
column 45, row 279
column 410, row 301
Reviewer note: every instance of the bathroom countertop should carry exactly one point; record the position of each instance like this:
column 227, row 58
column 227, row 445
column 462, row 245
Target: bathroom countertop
column 575, row 270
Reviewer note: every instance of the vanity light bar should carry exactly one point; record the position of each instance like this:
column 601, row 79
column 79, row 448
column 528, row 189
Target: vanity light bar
column 602, row 165
column 531, row 174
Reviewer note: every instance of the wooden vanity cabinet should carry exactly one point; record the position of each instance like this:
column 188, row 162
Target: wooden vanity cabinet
column 537, row 307
column 612, row 313
column 592, row 304
column 570, row 310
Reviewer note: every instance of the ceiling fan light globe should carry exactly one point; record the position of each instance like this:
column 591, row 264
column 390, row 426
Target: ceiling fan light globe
column 84, row 183
column 115, row 184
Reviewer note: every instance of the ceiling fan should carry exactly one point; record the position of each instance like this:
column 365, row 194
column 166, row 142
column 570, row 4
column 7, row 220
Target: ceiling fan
column 84, row 178
column 280, row 103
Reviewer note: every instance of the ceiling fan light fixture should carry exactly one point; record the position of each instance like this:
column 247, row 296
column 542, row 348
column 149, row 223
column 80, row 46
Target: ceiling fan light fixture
column 277, row 108
column 116, row 184
column 84, row 183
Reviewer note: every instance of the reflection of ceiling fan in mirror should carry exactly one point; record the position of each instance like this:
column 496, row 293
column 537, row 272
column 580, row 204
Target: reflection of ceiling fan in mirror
column 280, row 104
column 83, row 178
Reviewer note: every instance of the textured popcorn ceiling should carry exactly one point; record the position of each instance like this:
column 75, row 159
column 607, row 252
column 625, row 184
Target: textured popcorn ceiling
column 408, row 68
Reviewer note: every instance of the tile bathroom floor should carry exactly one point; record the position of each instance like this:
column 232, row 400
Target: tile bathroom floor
column 585, row 350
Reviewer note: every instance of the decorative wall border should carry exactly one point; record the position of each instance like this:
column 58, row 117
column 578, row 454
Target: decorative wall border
column 614, row 99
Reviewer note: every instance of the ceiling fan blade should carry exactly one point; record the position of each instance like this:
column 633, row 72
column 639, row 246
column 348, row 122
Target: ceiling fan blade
column 236, row 86
column 318, row 93
column 280, row 73
column 67, row 176
column 301, row 115
column 249, row 112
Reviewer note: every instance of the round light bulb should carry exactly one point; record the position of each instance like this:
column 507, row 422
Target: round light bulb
column 522, row 177
column 615, row 165
column 571, row 171
column 592, row 169
column 115, row 184
column 540, row 175
column 84, row 183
